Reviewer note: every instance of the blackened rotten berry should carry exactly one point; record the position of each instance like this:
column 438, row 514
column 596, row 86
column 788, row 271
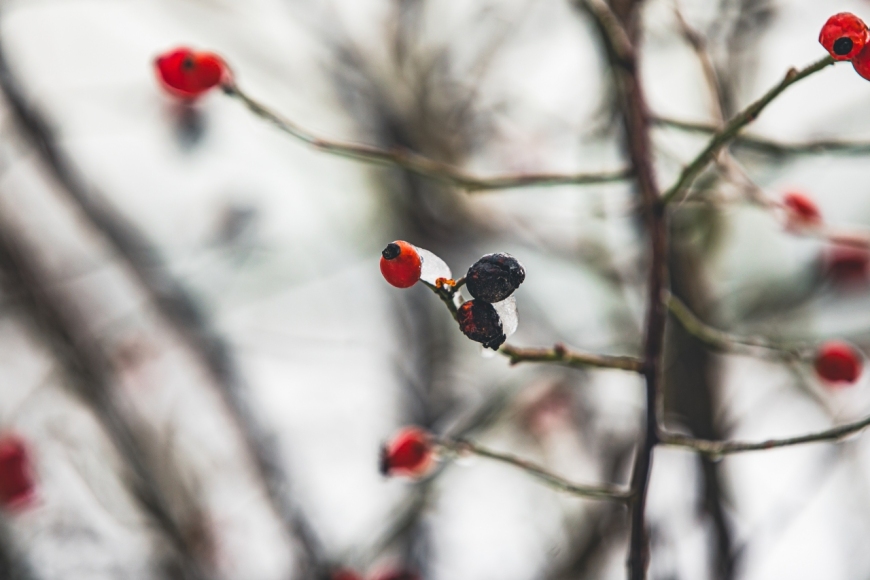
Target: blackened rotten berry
column 479, row 321
column 494, row 277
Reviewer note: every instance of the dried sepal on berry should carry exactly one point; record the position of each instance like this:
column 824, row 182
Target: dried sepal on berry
column 838, row 362
column 17, row 484
column 479, row 321
column 494, row 277
column 189, row 74
column 801, row 211
column 401, row 264
column 844, row 36
column 410, row 453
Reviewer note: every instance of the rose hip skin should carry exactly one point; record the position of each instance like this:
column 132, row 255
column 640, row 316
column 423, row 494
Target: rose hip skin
column 838, row 362
column 16, row 479
column 479, row 321
column 401, row 265
column 802, row 211
column 861, row 63
column 494, row 277
column 409, row 453
column 188, row 74
column 844, row 36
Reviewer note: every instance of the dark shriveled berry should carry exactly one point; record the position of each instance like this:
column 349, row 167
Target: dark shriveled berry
column 480, row 322
column 494, row 277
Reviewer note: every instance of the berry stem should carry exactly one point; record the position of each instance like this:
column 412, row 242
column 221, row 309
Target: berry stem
column 610, row 492
column 572, row 358
column 416, row 163
column 724, row 136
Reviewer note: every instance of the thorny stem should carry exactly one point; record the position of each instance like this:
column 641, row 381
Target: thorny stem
column 563, row 355
column 610, row 492
column 724, row 136
column 770, row 146
column 420, row 164
column 718, row 448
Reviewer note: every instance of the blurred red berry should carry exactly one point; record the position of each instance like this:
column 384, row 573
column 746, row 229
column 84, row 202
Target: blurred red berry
column 847, row 265
column 188, row 74
column 401, row 264
column 410, row 453
column 16, row 479
column 345, row 574
column 801, row 210
column 844, row 35
column 396, row 574
column 838, row 362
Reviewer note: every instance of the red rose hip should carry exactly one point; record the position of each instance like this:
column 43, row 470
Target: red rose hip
column 401, row 264
column 188, row 74
column 844, row 36
column 847, row 266
column 410, row 453
column 838, row 362
column 801, row 210
column 16, row 478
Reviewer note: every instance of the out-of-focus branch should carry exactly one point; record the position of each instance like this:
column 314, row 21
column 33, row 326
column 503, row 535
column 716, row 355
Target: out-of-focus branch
column 179, row 308
column 88, row 373
column 13, row 563
column 419, row 164
column 718, row 448
column 610, row 492
column 635, row 119
column 726, row 342
column 724, row 136
column 563, row 355
column 770, row 146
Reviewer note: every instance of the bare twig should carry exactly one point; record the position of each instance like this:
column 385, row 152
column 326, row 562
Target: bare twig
column 563, row 355
column 735, row 125
column 611, row 492
column 420, row 164
column 770, row 146
column 726, row 342
column 718, row 448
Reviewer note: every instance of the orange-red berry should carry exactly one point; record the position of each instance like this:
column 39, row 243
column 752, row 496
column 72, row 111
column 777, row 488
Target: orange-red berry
column 401, row 264
column 862, row 63
column 187, row 74
column 844, row 36
column 838, row 362
column 801, row 210
column 410, row 453
column 17, row 484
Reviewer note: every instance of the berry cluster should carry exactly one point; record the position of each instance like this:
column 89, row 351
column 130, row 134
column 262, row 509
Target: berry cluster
column 490, row 317
column 189, row 74
column 846, row 37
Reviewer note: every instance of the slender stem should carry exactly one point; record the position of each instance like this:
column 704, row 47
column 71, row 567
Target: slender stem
column 563, row 355
column 611, row 492
column 718, row 448
column 722, row 137
column 723, row 341
column 771, row 146
column 420, row 164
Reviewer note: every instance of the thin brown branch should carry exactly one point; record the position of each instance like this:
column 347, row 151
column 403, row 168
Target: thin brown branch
column 727, row 342
column 771, row 146
column 719, row 448
column 563, row 355
column 611, row 492
column 636, row 125
column 420, row 164
column 724, row 136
